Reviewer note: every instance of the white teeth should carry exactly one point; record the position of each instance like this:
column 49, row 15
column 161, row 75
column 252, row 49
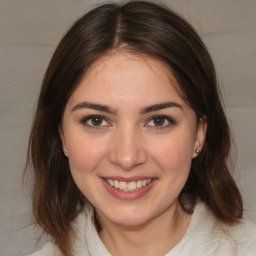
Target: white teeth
column 139, row 184
column 111, row 182
column 144, row 183
column 128, row 186
column 116, row 184
column 123, row 185
column 132, row 185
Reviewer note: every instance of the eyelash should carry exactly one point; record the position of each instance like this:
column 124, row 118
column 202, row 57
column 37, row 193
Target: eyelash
column 170, row 121
column 89, row 118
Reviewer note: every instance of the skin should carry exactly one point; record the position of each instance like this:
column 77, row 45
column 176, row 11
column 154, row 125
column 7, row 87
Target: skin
column 128, row 142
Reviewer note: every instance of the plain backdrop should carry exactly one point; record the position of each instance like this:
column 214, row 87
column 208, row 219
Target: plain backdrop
column 29, row 33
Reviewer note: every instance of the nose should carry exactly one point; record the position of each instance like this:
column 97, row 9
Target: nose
column 128, row 149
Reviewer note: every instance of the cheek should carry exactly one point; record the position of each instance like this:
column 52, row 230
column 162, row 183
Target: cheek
column 174, row 154
column 85, row 154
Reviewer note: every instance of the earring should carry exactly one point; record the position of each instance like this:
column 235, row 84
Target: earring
column 65, row 152
column 197, row 150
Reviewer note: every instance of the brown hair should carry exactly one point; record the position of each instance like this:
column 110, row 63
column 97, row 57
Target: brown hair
column 140, row 27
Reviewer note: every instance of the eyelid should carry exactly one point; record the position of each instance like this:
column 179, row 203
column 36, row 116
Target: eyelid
column 168, row 118
column 87, row 118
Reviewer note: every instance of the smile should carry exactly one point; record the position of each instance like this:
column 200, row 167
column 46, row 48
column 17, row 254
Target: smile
column 128, row 186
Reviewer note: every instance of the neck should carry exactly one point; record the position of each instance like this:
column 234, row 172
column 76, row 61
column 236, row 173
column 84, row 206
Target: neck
column 152, row 238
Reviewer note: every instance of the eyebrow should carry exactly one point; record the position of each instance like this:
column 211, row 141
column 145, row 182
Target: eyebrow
column 104, row 108
column 160, row 106
column 98, row 107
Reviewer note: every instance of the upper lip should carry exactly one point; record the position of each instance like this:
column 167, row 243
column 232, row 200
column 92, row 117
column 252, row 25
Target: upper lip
column 127, row 179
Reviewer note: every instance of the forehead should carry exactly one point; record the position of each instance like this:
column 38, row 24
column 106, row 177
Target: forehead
column 125, row 77
column 115, row 62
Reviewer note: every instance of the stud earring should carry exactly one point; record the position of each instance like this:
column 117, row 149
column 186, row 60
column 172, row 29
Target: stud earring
column 65, row 152
column 197, row 150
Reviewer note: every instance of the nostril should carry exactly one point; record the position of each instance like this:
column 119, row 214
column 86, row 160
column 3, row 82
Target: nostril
column 127, row 149
column 128, row 160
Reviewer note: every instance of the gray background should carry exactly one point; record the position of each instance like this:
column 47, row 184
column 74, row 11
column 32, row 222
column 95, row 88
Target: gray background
column 29, row 32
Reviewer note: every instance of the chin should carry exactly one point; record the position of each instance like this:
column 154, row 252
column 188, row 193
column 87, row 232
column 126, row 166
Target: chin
column 130, row 220
column 128, row 216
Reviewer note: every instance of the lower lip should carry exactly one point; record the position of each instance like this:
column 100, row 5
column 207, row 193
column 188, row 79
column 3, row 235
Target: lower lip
column 128, row 195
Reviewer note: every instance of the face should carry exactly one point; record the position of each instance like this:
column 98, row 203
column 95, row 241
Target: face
column 130, row 138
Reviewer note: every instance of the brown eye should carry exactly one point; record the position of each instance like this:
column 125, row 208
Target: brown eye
column 96, row 121
column 159, row 121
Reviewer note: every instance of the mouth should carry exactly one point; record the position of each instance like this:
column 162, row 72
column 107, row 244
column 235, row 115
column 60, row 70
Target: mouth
column 128, row 186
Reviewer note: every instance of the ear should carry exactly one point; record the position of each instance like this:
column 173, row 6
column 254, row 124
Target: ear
column 62, row 138
column 200, row 135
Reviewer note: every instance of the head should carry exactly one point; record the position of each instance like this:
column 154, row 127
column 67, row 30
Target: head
column 156, row 34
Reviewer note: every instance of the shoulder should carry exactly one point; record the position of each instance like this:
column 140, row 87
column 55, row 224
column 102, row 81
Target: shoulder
column 83, row 231
column 238, row 239
column 49, row 249
column 244, row 236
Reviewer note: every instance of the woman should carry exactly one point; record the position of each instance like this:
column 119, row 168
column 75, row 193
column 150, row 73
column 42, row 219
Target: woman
column 129, row 142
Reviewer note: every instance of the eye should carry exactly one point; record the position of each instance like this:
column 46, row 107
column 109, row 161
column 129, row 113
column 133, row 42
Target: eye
column 95, row 121
column 160, row 121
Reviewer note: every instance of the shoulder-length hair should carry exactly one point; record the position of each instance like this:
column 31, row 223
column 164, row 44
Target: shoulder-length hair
column 142, row 28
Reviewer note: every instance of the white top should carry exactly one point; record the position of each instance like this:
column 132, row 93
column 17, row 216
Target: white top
column 205, row 236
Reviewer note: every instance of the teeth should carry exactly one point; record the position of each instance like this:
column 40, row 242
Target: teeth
column 116, row 184
column 132, row 185
column 123, row 185
column 139, row 184
column 128, row 186
column 111, row 182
